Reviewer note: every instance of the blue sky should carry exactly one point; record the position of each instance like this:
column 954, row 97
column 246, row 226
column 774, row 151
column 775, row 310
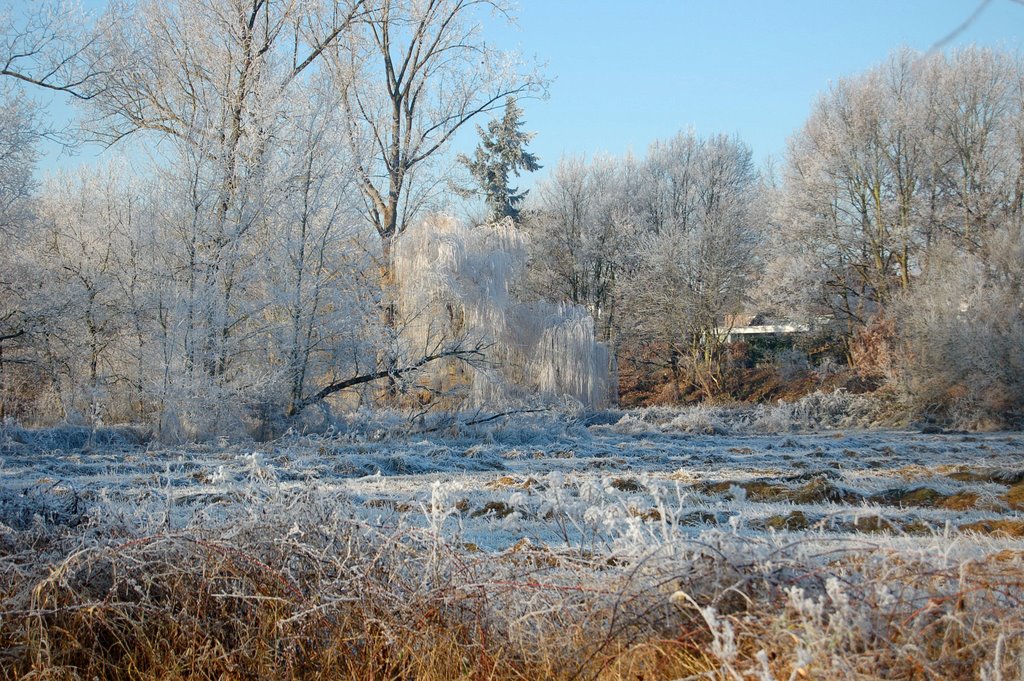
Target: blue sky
column 629, row 72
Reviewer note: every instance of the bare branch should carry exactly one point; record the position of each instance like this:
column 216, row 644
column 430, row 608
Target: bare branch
column 49, row 47
column 455, row 352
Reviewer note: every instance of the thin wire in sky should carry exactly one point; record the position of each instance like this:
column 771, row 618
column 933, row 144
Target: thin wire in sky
column 982, row 6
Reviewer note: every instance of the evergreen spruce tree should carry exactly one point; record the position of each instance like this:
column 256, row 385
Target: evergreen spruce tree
column 501, row 152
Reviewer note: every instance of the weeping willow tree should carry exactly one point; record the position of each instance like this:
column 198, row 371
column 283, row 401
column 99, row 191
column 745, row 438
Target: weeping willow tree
column 455, row 286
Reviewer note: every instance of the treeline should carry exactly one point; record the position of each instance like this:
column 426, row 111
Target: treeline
column 232, row 266
column 233, row 276
column 892, row 229
column 659, row 250
column 899, row 217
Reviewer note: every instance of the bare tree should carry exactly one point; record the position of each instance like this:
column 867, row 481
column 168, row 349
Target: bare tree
column 210, row 78
column 659, row 250
column 321, row 310
column 416, row 74
column 85, row 224
column 917, row 150
column 18, row 124
column 18, row 137
column 980, row 93
column 257, row 290
column 43, row 44
column 197, row 69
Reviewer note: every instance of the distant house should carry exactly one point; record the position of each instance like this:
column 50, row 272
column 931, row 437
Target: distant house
column 758, row 325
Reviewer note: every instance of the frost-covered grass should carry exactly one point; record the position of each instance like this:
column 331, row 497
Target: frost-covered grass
column 654, row 544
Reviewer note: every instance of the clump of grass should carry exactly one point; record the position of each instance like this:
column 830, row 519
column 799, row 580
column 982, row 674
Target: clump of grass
column 296, row 588
column 339, row 600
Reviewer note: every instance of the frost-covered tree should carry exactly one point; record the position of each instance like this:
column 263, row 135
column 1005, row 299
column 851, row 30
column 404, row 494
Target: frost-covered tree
column 49, row 44
column 87, row 245
column 659, row 250
column 318, row 279
column 900, row 203
column 694, row 253
column 413, row 76
column 44, row 45
column 18, row 125
column 917, row 150
column 456, row 282
column 213, row 84
column 18, row 138
column 576, row 228
column 235, row 280
column 209, row 78
column 501, row 154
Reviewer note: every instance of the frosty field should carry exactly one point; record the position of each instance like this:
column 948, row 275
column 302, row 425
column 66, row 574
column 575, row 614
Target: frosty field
column 650, row 544
column 645, row 477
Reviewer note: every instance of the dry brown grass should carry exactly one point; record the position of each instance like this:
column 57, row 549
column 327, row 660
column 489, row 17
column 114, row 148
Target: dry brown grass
column 360, row 605
column 341, row 599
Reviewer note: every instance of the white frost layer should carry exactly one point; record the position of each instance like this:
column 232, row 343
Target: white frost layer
column 560, row 483
column 454, row 285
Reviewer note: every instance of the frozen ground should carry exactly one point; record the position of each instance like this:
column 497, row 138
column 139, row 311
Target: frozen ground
column 638, row 478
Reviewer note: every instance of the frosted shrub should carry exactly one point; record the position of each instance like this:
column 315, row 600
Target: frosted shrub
column 962, row 329
column 818, row 410
column 699, row 419
column 776, row 418
column 812, row 412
